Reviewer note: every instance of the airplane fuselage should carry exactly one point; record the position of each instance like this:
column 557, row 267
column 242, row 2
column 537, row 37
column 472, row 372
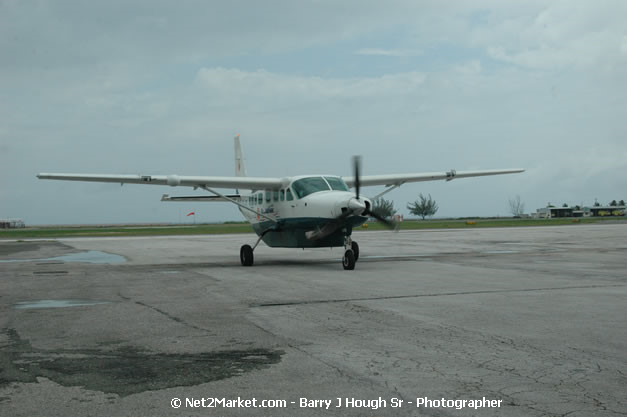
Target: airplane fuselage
column 305, row 205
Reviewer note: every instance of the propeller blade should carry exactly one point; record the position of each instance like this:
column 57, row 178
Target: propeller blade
column 328, row 228
column 354, row 206
column 390, row 224
column 357, row 169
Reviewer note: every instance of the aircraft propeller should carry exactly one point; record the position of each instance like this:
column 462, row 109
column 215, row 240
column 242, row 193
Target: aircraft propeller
column 356, row 169
column 367, row 212
column 355, row 206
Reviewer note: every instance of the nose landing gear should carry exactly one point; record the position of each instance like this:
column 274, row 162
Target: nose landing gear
column 355, row 248
column 348, row 261
column 351, row 253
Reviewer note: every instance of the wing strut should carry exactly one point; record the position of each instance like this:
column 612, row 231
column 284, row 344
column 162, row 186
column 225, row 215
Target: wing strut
column 204, row 187
column 387, row 190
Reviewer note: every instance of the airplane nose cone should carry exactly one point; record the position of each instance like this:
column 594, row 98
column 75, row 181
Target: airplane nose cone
column 356, row 206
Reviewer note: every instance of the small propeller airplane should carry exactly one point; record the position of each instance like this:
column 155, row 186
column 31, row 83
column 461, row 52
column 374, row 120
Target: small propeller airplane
column 305, row 211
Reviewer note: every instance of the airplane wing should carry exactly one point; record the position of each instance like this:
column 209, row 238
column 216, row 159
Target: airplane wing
column 398, row 179
column 245, row 183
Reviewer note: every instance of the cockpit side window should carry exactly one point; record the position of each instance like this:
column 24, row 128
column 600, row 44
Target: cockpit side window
column 337, row 183
column 305, row 186
column 288, row 195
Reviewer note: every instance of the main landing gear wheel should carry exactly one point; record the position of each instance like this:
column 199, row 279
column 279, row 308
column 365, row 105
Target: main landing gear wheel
column 348, row 261
column 355, row 248
column 246, row 255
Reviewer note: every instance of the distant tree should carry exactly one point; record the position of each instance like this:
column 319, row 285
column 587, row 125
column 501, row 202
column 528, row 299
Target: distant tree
column 613, row 203
column 516, row 207
column 596, row 203
column 423, row 207
column 550, row 205
column 383, row 208
column 565, row 205
column 621, row 203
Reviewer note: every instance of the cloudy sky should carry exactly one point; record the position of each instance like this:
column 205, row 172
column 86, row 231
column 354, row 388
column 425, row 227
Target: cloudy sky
column 161, row 87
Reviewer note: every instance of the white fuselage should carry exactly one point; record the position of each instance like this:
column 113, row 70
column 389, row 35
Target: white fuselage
column 293, row 210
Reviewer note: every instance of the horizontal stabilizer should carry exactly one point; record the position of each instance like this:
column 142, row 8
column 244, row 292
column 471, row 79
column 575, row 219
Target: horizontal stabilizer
column 205, row 198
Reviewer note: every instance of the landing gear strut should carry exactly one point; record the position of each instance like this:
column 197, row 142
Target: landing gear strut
column 246, row 251
column 351, row 253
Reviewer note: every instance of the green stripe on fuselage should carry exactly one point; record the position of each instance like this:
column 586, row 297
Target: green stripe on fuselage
column 290, row 233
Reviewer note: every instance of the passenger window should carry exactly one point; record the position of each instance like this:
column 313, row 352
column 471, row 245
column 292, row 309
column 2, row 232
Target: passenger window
column 275, row 196
column 282, row 195
column 259, row 198
column 268, row 195
column 288, row 193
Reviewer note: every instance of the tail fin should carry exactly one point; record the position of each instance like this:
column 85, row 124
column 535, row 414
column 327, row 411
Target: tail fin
column 240, row 168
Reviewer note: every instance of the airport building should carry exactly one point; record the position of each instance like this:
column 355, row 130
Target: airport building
column 577, row 211
column 11, row 223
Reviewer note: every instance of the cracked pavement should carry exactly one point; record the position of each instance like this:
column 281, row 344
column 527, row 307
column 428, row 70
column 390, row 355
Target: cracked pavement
column 534, row 317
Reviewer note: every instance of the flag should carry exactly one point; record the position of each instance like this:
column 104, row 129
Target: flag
column 191, row 214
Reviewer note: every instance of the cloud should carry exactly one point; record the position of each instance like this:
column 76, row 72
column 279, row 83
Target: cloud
column 158, row 87
column 388, row 52
column 272, row 86
column 557, row 35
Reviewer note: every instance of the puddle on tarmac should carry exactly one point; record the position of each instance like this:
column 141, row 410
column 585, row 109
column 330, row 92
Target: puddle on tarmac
column 124, row 370
column 92, row 257
column 24, row 305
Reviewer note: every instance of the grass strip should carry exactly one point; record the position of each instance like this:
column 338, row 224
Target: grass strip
column 204, row 229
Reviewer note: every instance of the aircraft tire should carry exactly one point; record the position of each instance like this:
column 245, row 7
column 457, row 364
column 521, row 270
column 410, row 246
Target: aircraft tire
column 348, row 261
column 246, row 255
column 355, row 248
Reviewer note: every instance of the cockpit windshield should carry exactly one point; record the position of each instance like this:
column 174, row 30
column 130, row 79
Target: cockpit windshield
column 337, row 183
column 305, row 186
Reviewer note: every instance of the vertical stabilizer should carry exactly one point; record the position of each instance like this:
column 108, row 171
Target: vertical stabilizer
column 240, row 168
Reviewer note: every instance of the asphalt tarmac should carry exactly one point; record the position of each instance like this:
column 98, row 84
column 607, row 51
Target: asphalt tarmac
column 516, row 322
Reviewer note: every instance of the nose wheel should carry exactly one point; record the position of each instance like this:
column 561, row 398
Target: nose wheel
column 355, row 248
column 351, row 254
column 348, row 261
